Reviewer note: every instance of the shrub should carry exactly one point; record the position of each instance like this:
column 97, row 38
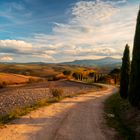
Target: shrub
column 60, row 76
column 115, row 74
column 3, row 84
column 68, row 78
column 56, row 92
column 77, row 75
column 51, row 78
column 91, row 74
column 66, row 72
column 31, row 80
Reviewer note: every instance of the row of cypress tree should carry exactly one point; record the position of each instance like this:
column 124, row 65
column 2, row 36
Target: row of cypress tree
column 130, row 71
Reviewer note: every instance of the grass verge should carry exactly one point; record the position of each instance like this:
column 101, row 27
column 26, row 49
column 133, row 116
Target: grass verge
column 18, row 112
column 115, row 110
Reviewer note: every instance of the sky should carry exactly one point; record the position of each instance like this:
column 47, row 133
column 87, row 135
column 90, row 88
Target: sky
column 65, row 30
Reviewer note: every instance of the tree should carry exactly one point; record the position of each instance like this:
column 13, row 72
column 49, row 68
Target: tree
column 91, row 74
column 125, row 73
column 115, row 74
column 75, row 75
column 67, row 72
column 78, row 75
column 134, row 88
column 95, row 78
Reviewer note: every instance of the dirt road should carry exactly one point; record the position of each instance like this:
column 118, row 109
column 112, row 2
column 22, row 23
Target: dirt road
column 78, row 118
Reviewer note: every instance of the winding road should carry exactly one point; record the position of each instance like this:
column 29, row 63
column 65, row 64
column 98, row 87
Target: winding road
column 77, row 118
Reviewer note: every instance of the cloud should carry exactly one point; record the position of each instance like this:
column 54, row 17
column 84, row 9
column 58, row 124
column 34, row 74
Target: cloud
column 95, row 29
column 14, row 46
column 6, row 58
column 89, row 13
column 118, row 1
column 15, row 6
column 21, row 48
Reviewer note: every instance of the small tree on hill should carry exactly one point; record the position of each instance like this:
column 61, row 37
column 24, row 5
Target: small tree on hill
column 75, row 75
column 134, row 90
column 67, row 72
column 95, row 78
column 91, row 74
column 115, row 74
column 125, row 73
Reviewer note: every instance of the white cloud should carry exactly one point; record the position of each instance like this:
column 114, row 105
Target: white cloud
column 22, row 48
column 6, row 58
column 89, row 12
column 14, row 6
column 95, row 29
column 15, row 44
column 114, row 2
column 44, row 56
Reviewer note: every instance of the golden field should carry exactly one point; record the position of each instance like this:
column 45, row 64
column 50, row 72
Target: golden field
column 10, row 79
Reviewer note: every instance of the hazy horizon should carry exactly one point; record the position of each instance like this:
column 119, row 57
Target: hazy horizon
column 13, row 62
column 51, row 31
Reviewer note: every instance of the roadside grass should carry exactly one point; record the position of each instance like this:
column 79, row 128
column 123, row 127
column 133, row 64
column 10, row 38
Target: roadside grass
column 18, row 112
column 115, row 114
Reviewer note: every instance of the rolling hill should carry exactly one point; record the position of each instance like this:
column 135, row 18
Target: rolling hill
column 104, row 62
column 43, row 70
column 11, row 79
column 46, row 70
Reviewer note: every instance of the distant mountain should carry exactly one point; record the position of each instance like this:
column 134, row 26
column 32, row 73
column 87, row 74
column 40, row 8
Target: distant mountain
column 107, row 62
column 104, row 62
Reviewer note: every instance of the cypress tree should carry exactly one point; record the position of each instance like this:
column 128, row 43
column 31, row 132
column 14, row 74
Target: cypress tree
column 125, row 73
column 95, row 78
column 134, row 90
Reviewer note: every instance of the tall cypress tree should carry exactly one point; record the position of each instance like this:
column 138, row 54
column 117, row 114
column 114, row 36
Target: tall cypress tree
column 134, row 90
column 125, row 73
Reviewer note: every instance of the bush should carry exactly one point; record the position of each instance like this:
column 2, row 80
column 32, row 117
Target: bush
column 57, row 77
column 76, row 75
column 66, row 72
column 68, row 78
column 56, row 92
column 51, row 78
column 91, row 74
column 33, row 80
column 3, row 85
column 60, row 76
